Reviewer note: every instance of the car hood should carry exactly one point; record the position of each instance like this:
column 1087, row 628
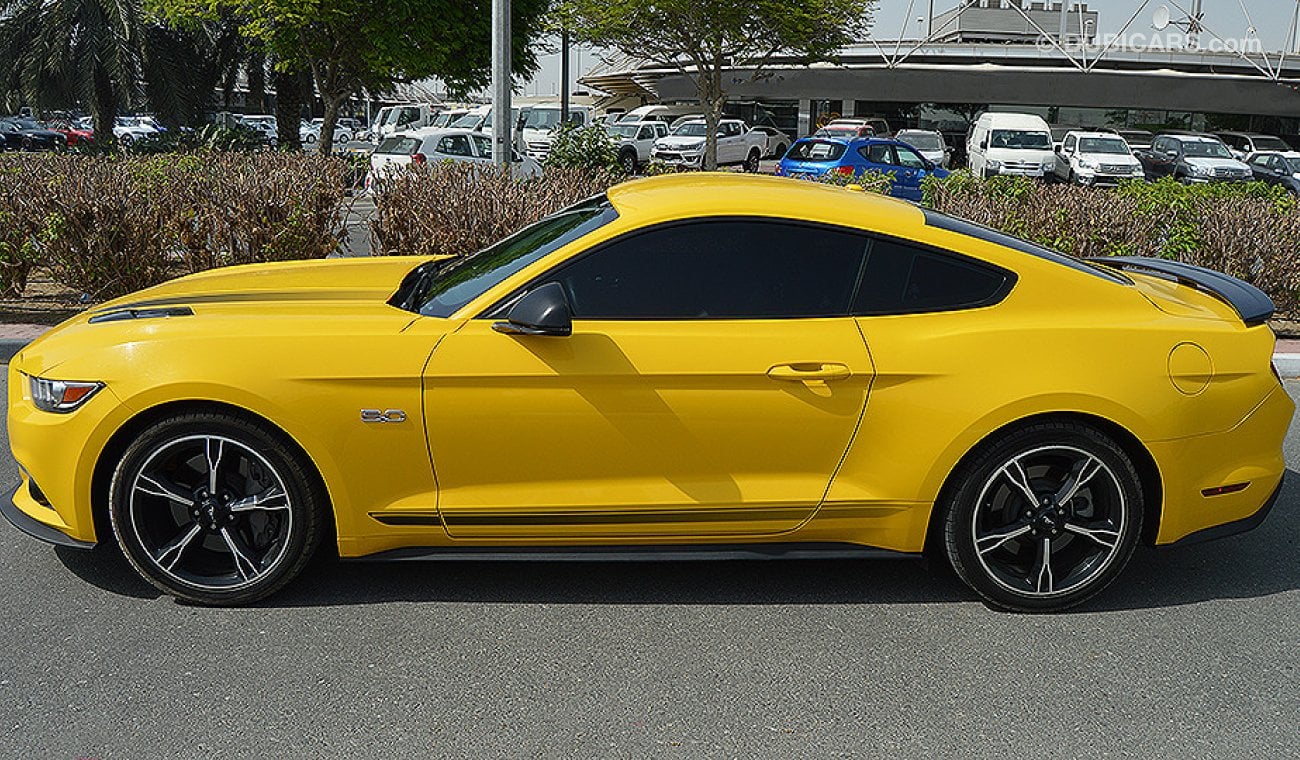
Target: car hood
column 307, row 298
column 1217, row 163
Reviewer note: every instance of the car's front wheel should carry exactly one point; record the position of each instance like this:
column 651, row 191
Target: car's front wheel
column 215, row 509
column 1044, row 518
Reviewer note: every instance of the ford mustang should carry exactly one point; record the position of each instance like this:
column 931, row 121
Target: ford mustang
column 686, row 366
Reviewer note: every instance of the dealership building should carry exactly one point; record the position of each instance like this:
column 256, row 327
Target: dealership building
column 1009, row 55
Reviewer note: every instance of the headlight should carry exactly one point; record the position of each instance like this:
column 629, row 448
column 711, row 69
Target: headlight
column 1202, row 171
column 995, row 165
column 1087, row 163
column 61, row 396
column 1137, row 169
column 1049, row 165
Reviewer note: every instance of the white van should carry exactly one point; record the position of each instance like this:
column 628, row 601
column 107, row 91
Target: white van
column 1010, row 143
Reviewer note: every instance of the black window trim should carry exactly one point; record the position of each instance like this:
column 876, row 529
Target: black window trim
column 501, row 308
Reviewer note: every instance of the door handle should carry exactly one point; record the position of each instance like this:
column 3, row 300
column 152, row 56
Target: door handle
column 806, row 372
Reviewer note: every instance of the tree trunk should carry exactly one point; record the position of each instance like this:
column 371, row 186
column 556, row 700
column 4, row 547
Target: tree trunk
column 256, row 70
column 332, row 104
column 104, row 109
column 288, row 108
column 712, row 98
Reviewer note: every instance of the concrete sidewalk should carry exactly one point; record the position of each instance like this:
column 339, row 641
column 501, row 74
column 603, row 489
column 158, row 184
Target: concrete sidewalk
column 13, row 337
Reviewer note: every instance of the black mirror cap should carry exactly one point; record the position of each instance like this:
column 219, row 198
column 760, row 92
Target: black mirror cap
column 543, row 311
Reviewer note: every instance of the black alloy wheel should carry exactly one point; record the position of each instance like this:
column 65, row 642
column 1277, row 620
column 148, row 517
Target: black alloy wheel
column 215, row 509
column 1045, row 518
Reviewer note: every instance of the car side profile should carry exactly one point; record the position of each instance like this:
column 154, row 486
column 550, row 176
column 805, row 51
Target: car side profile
column 424, row 146
column 711, row 365
column 814, row 157
column 1277, row 169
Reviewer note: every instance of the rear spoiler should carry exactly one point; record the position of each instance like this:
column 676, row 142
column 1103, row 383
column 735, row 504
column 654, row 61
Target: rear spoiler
column 1252, row 304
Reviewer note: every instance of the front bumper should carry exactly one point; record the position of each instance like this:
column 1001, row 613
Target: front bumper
column 33, row 527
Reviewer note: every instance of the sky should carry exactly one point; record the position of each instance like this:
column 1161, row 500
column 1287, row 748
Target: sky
column 1227, row 18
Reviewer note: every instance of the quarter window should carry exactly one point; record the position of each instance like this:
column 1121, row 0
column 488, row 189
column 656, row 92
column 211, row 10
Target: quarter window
column 901, row 279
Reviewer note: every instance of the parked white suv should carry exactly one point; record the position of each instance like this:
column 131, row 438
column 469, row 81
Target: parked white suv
column 635, row 141
column 1096, row 158
column 737, row 145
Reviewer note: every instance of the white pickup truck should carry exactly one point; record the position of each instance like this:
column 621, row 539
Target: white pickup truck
column 635, row 141
column 737, row 145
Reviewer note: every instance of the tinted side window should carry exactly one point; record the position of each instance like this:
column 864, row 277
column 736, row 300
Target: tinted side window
column 878, row 153
column 902, row 279
column 718, row 269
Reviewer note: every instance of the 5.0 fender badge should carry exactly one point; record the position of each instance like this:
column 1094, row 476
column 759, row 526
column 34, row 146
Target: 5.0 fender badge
column 387, row 415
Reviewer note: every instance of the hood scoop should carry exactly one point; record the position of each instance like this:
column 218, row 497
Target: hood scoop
column 118, row 315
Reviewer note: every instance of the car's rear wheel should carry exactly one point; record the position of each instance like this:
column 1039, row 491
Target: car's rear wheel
column 752, row 161
column 215, row 509
column 1044, row 518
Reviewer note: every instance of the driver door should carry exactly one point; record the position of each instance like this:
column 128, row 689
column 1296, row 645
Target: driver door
column 711, row 385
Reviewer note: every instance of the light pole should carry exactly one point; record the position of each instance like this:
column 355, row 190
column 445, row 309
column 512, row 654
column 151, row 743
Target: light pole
column 501, row 122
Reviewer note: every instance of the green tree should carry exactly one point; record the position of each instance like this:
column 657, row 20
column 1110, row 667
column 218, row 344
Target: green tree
column 701, row 39
column 353, row 46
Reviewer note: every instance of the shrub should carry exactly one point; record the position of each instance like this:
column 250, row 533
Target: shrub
column 579, row 148
column 1247, row 230
column 453, row 209
column 107, row 225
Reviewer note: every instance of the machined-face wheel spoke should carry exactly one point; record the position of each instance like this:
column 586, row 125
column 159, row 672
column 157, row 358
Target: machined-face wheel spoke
column 273, row 498
column 1043, row 582
column 177, row 547
column 1107, row 537
column 214, row 461
column 1084, row 471
column 993, row 541
column 1015, row 472
column 160, row 487
column 246, row 567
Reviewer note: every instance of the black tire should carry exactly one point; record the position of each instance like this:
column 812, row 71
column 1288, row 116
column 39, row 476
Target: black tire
column 996, row 539
column 752, row 160
column 627, row 159
column 230, row 546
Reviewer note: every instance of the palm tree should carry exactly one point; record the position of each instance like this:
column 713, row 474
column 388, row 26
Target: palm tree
column 60, row 52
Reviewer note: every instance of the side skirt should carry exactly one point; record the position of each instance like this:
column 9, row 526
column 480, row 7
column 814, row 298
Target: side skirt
column 647, row 553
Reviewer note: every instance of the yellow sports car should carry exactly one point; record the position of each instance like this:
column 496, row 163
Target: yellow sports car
column 688, row 366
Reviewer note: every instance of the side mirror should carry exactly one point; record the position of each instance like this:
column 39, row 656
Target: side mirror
column 984, row 144
column 544, row 311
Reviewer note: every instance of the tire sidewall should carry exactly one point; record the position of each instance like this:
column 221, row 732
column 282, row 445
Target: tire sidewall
column 305, row 531
column 961, row 503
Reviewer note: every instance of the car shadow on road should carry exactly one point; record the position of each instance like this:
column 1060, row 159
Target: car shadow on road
column 1253, row 565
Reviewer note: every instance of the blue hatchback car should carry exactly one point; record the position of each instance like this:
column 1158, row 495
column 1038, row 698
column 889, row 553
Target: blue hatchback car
column 813, row 157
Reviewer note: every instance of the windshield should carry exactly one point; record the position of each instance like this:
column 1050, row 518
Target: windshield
column 692, row 129
column 542, row 118
column 27, row 124
column 1270, row 143
column 623, row 130
column 440, row 288
column 921, row 140
column 1020, row 139
column 1206, row 149
column 468, row 121
column 816, row 151
column 1111, row 146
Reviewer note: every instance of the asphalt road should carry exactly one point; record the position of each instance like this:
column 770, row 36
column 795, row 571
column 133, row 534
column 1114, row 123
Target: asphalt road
column 1194, row 654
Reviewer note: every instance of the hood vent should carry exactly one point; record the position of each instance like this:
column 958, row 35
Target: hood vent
column 121, row 314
